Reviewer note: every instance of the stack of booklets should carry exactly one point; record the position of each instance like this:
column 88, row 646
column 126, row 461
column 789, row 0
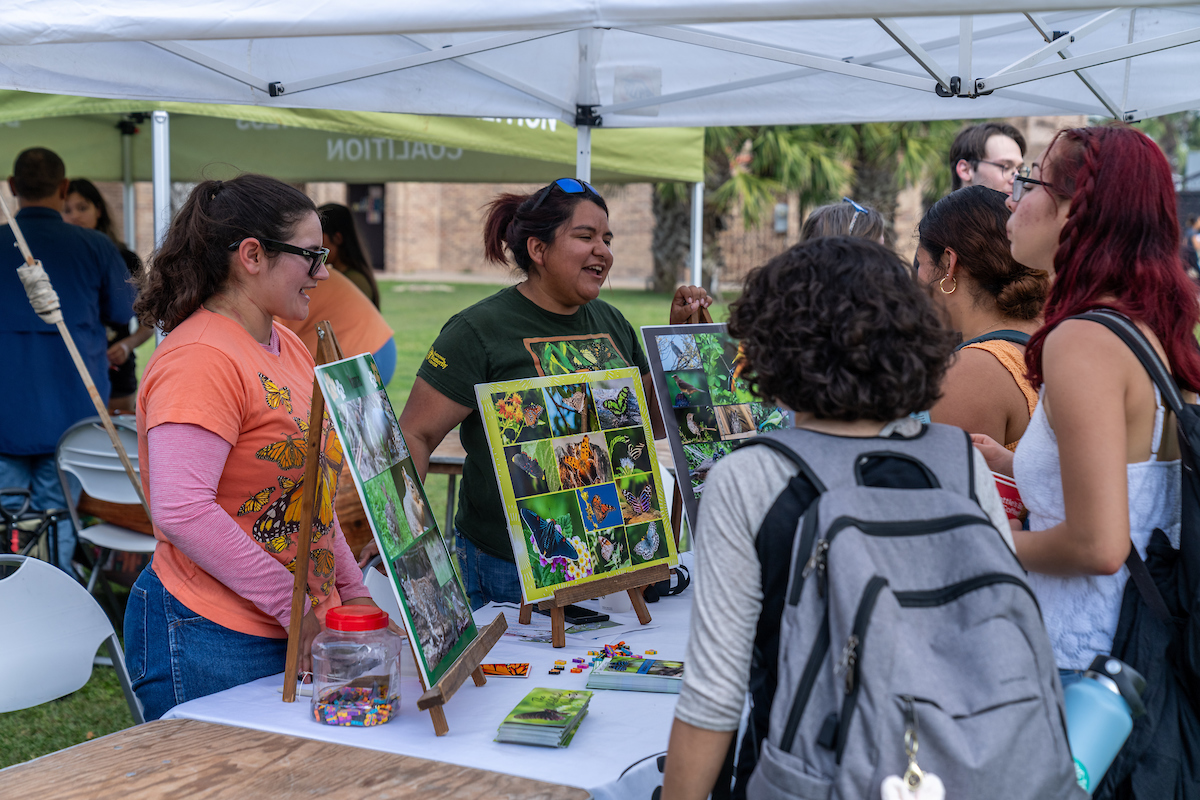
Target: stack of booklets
column 637, row 675
column 546, row 717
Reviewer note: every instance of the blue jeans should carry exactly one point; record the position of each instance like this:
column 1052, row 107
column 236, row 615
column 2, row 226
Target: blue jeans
column 489, row 579
column 175, row 655
column 39, row 475
column 385, row 361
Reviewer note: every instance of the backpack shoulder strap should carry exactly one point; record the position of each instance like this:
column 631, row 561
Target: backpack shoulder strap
column 1136, row 341
column 1015, row 337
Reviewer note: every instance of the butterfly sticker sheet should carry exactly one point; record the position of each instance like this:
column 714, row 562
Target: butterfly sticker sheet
column 706, row 402
column 577, row 471
column 437, row 615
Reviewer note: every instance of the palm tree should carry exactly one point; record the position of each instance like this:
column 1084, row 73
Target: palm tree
column 750, row 167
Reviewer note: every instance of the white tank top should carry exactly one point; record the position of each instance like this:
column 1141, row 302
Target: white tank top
column 1081, row 612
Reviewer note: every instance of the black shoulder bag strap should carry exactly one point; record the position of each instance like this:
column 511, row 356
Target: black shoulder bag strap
column 1133, row 338
column 1014, row 337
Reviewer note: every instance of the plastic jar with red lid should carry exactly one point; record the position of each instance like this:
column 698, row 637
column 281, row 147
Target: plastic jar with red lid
column 356, row 668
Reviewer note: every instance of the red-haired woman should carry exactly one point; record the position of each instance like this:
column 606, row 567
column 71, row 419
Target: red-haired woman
column 1098, row 465
column 560, row 239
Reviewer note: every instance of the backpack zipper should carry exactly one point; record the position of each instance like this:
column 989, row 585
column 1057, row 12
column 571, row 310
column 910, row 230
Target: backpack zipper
column 930, row 598
column 851, row 661
column 818, row 560
column 808, row 532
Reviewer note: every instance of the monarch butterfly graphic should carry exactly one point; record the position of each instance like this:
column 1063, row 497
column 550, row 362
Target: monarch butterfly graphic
column 532, row 413
column 322, row 561
column 276, row 394
column 256, row 502
column 277, row 527
column 505, row 670
column 287, row 454
column 619, row 405
column 302, row 426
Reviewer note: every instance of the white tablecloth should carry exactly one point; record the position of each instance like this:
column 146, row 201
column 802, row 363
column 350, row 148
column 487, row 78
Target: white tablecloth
column 622, row 734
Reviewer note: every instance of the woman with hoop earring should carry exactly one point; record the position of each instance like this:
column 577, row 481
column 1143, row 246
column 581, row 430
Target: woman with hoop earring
column 964, row 262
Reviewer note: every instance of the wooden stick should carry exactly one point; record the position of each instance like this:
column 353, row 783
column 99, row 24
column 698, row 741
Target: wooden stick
column 326, row 352
column 101, row 409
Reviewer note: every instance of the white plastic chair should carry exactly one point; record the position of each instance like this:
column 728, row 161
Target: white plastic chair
column 86, row 452
column 50, row 629
column 380, row 588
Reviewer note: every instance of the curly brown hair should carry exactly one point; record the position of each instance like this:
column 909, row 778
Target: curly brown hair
column 837, row 328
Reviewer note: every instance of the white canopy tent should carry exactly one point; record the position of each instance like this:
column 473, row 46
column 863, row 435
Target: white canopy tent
column 620, row 63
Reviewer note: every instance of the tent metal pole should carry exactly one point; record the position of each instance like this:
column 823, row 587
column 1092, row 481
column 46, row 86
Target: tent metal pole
column 161, row 148
column 129, row 196
column 915, row 51
column 583, row 153
column 1044, row 29
column 697, row 253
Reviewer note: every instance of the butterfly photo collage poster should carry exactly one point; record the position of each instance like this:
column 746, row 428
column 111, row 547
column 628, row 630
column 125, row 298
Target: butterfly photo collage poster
column 706, row 406
column 575, row 461
column 437, row 615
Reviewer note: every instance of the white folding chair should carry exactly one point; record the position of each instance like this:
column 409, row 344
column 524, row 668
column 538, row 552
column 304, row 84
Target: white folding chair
column 86, row 452
column 50, row 629
column 380, row 588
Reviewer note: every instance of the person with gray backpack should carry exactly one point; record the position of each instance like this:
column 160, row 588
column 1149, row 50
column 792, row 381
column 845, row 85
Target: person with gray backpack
column 856, row 575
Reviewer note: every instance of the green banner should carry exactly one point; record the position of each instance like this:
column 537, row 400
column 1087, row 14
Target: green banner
column 299, row 145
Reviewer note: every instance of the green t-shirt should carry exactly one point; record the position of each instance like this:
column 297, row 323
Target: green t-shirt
column 505, row 337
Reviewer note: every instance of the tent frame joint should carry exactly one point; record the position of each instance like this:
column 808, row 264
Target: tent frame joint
column 586, row 116
column 275, row 88
column 953, row 91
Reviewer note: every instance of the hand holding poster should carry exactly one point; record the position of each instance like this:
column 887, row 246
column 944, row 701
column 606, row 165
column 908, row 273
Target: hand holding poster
column 575, row 461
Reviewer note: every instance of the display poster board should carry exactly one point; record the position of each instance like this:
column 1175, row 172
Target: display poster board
column 578, row 475
column 436, row 613
column 706, row 407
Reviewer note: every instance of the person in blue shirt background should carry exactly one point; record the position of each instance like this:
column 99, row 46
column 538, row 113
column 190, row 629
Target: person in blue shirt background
column 45, row 394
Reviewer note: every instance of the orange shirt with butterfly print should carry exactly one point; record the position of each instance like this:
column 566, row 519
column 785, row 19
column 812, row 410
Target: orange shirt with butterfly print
column 211, row 372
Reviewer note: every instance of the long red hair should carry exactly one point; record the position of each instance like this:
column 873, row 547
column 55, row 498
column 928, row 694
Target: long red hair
column 1120, row 241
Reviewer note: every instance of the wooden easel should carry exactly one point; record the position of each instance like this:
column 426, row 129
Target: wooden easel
column 467, row 664
column 631, row 582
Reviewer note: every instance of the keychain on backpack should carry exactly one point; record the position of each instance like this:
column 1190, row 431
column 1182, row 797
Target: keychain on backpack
column 916, row 783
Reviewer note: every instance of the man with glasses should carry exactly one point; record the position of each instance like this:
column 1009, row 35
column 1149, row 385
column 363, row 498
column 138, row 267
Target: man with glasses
column 989, row 154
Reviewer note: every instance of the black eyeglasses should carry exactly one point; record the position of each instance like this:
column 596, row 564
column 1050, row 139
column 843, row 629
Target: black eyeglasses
column 568, row 185
column 1020, row 186
column 857, row 211
column 1005, row 169
column 317, row 256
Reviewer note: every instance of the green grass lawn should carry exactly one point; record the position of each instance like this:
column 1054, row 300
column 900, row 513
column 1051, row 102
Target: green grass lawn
column 416, row 312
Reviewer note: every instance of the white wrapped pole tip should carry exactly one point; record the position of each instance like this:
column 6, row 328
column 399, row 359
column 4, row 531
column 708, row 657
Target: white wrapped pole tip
column 41, row 293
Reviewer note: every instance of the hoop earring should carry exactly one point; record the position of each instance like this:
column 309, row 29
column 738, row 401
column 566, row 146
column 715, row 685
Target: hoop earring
column 942, row 285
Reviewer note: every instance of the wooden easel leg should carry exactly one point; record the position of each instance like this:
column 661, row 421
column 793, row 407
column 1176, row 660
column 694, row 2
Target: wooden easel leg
column 676, row 514
column 477, row 676
column 526, row 614
column 440, row 726
column 639, row 605
column 558, row 628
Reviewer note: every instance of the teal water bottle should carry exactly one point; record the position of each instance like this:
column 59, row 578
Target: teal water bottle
column 1100, row 713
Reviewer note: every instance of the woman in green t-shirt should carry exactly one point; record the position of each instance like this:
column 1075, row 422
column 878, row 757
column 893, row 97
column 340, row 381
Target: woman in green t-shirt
column 559, row 237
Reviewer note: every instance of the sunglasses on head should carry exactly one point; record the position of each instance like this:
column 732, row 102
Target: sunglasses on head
column 568, row 185
column 857, row 211
column 317, row 257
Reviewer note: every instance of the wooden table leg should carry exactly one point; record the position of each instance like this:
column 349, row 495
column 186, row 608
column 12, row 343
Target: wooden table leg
column 526, row 614
column 477, row 676
column 558, row 628
column 639, row 605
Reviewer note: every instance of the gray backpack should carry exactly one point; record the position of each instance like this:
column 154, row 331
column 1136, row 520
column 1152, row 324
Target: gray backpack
column 906, row 614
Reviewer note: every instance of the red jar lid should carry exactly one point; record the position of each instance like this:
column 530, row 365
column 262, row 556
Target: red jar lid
column 356, row 618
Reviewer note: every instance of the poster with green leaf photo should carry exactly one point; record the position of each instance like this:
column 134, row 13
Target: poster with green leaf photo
column 707, row 405
column 575, row 462
column 436, row 613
